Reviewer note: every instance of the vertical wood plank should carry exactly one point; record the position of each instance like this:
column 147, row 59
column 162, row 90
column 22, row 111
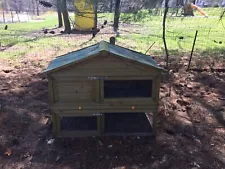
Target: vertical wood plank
column 51, row 100
column 155, row 113
column 58, row 125
column 99, row 124
column 101, row 90
column 102, row 117
column 50, row 90
column 154, row 84
column 93, row 92
column 157, row 88
column 97, row 91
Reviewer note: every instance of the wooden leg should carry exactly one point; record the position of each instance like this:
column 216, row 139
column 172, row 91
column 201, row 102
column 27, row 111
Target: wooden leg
column 55, row 121
column 154, row 123
column 102, row 126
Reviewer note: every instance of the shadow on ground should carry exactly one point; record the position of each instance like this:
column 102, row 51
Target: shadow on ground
column 189, row 134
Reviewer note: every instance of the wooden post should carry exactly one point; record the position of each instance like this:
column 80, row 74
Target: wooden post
column 3, row 16
column 112, row 40
column 193, row 46
column 51, row 100
column 155, row 112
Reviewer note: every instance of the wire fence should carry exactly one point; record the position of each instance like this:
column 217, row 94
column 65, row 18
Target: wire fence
column 145, row 28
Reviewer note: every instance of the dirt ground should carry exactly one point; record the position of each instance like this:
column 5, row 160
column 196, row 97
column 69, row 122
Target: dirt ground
column 191, row 125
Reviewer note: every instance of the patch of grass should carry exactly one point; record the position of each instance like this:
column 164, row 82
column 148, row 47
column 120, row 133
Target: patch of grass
column 45, row 21
column 19, row 32
column 141, row 30
column 19, row 35
column 12, row 55
column 180, row 32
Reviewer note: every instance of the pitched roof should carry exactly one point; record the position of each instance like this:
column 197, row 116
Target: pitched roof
column 79, row 55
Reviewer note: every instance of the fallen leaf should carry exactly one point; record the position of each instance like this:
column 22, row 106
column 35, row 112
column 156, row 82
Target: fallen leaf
column 57, row 159
column 8, row 152
column 50, row 141
column 100, row 143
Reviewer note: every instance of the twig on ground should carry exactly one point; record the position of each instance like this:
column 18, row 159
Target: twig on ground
column 150, row 47
column 192, row 50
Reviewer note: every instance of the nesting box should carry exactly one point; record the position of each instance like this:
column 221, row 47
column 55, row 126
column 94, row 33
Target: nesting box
column 103, row 89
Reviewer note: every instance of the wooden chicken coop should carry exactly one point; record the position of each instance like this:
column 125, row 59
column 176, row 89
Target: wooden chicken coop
column 103, row 89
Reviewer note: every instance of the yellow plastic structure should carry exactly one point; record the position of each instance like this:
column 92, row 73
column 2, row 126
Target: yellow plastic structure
column 84, row 14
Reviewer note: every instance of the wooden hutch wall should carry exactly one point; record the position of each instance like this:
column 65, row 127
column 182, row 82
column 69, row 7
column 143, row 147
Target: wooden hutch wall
column 78, row 89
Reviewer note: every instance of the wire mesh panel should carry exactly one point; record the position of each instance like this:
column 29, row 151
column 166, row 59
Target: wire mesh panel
column 127, row 123
column 127, row 88
column 78, row 123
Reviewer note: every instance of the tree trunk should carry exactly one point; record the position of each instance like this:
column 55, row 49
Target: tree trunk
column 66, row 17
column 177, row 7
column 164, row 33
column 60, row 23
column 38, row 10
column 33, row 7
column 116, row 15
column 111, row 6
column 37, row 7
column 96, row 13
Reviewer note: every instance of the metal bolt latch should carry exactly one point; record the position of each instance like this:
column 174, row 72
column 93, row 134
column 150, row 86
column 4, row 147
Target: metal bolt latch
column 98, row 114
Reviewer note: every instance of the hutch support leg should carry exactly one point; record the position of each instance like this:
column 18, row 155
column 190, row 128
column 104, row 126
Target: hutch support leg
column 154, row 123
column 102, row 121
column 99, row 123
column 54, row 124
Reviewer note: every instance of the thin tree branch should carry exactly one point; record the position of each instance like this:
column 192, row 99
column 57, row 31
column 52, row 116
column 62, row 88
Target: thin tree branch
column 164, row 33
